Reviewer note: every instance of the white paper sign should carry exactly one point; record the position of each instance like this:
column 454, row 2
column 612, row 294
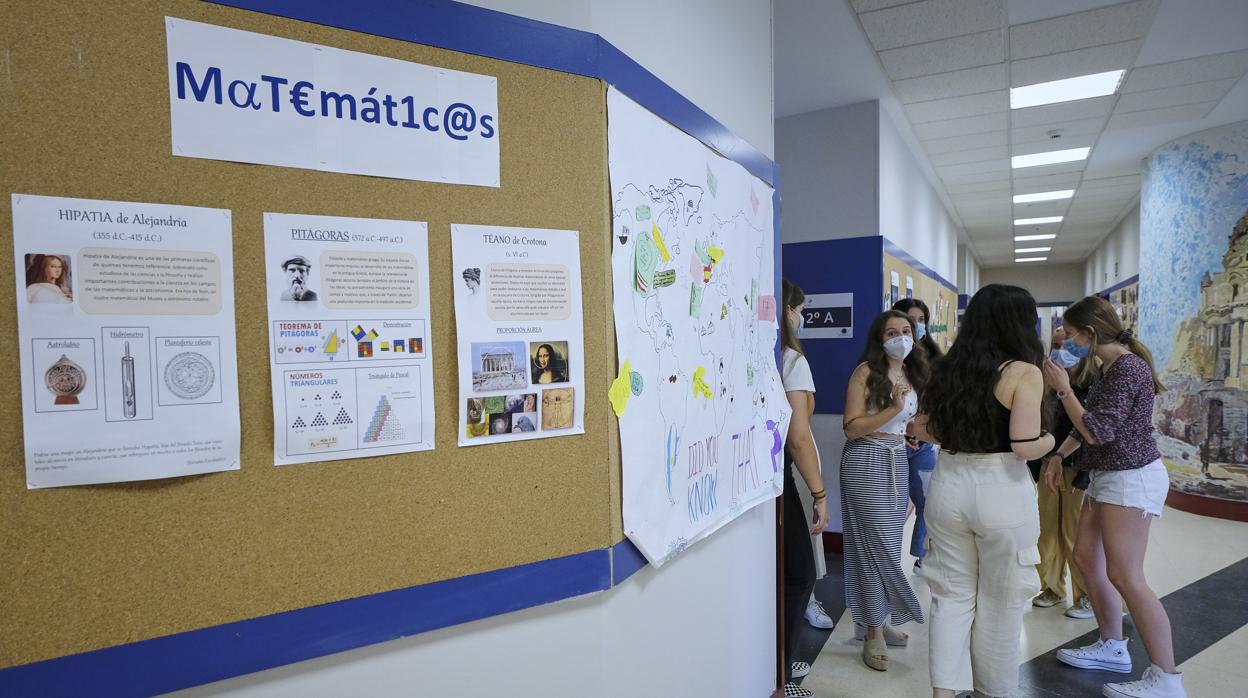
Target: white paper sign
column 349, row 348
column 247, row 97
column 520, row 332
column 701, row 407
column 125, row 315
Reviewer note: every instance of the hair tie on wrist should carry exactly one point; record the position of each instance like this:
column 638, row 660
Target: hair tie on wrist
column 1125, row 336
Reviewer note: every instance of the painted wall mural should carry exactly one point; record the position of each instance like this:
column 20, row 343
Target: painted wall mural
column 1193, row 309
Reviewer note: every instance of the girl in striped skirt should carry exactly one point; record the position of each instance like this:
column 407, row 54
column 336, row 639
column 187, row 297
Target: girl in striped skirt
column 881, row 401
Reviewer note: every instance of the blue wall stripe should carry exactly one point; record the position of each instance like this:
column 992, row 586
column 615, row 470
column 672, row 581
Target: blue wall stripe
column 1118, row 286
column 164, row 664
column 626, row 560
column 895, row 250
column 1055, row 304
column 470, row 29
column 173, row 662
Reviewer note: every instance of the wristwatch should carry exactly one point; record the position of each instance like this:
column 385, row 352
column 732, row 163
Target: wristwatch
column 1061, row 394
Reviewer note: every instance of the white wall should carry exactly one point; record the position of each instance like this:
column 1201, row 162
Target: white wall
column 968, row 271
column 704, row 624
column 1117, row 258
column 911, row 213
column 716, row 53
column 828, row 173
column 1048, row 283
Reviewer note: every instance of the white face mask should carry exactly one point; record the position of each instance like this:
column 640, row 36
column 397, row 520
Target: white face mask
column 899, row 347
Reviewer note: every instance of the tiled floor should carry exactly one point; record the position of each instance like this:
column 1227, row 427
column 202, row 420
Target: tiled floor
column 1197, row 564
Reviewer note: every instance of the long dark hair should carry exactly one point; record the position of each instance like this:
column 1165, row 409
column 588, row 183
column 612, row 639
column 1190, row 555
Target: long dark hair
column 928, row 344
column 793, row 297
column 879, row 387
column 999, row 326
column 1096, row 314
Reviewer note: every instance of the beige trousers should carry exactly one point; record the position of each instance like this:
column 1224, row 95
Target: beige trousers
column 1059, row 520
column 982, row 526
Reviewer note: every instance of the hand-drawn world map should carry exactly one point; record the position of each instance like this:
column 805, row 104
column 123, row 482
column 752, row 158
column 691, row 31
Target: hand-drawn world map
column 701, row 407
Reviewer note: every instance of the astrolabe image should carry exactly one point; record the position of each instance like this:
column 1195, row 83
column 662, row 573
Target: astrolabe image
column 66, row 380
column 189, row 375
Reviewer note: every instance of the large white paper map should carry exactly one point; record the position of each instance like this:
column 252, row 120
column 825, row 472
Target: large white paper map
column 701, row 407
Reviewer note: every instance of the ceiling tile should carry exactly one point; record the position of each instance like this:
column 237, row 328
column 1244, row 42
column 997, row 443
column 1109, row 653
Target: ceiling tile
column 1107, row 25
column 972, row 178
column 995, row 186
column 1069, row 129
column 958, row 107
column 932, row 20
column 961, row 127
column 1125, row 180
column 1194, row 93
column 1188, row 112
column 960, row 82
column 872, row 5
column 1029, row 184
column 969, row 142
column 963, row 156
column 1000, row 166
column 1119, row 193
column 1216, row 67
column 945, row 56
column 1066, row 111
column 1086, row 61
column 1040, row 209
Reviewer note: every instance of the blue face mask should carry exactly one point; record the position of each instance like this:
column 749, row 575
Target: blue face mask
column 920, row 330
column 1078, row 351
column 1063, row 358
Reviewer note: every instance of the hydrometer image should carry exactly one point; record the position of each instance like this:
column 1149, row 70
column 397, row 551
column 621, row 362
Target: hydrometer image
column 127, row 384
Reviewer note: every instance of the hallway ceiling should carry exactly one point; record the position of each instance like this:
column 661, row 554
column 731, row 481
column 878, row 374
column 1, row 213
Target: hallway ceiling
column 942, row 69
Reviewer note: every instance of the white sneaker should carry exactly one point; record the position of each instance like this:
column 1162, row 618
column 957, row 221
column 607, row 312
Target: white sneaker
column 1046, row 600
column 1108, row 655
column 816, row 616
column 1081, row 609
column 1155, row 683
column 799, row 669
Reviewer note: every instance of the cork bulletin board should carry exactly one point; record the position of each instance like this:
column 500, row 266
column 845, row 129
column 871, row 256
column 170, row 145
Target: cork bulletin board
column 85, row 112
column 940, row 298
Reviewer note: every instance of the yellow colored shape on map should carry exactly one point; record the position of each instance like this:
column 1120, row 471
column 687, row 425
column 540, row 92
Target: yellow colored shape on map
column 723, row 312
column 700, row 386
column 621, row 388
column 658, row 241
column 716, row 253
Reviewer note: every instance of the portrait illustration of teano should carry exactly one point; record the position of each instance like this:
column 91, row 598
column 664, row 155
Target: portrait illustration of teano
column 472, row 279
column 298, row 272
column 48, row 279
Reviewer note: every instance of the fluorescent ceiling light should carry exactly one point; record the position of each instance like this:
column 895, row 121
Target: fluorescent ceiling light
column 1043, row 196
column 1068, row 90
column 1038, row 221
column 1032, row 249
column 1052, row 157
column 1027, row 238
column 1030, row 259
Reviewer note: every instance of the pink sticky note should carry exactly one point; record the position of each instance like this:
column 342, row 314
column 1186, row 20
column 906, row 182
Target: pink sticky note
column 767, row 308
column 695, row 267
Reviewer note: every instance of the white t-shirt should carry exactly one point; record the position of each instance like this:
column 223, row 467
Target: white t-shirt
column 795, row 373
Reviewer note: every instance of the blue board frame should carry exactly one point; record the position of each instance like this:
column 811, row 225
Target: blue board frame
column 173, row 662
